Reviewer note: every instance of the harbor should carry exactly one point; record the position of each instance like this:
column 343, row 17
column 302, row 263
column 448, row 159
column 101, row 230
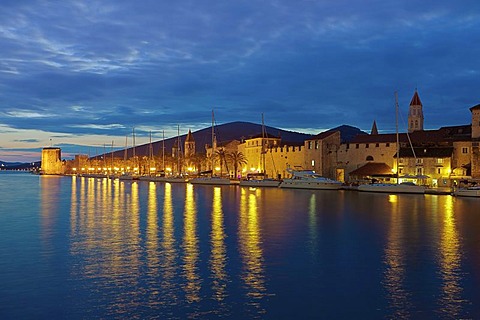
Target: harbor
column 102, row 248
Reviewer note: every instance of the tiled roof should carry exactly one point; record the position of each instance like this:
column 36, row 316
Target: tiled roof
column 477, row 107
column 372, row 169
column 442, row 135
column 189, row 137
column 374, row 128
column 416, row 100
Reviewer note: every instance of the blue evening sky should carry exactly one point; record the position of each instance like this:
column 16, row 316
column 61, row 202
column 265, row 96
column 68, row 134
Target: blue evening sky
column 83, row 73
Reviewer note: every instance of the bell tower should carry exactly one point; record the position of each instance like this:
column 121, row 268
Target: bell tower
column 415, row 114
column 475, row 154
column 189, row 145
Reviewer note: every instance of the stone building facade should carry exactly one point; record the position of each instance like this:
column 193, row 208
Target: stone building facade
column 52, row 161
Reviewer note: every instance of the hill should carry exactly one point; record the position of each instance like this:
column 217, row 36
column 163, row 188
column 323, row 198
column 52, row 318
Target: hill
column 231, row 131
column 19, row 165
column 224, row 132
column 347, row 132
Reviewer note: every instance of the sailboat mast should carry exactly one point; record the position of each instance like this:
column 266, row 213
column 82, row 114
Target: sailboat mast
column 125, row 153
column 396, row 129
column 213, row 140
column 150, row 154
column 263, row 147
column 112, row 155
column 163, row 151
column 133, row 151
column 178, row 150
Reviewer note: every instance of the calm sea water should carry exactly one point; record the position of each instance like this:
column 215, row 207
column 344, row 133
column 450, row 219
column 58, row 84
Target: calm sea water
column 82, row 248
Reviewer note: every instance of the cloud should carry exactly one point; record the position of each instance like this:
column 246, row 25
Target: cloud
column 93, row 69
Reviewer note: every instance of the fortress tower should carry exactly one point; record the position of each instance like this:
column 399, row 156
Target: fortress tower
column 52, row 161
column 415, row 114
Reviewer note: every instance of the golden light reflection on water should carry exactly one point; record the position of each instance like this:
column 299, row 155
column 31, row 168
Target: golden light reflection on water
column 105, row 229
column 169, row 253
column 218, row 255
column 49, row 189
column 450, row 263
column 151, row 243
column 251, row 250
column 312, row 223
column 398, row 297
column 190, row 248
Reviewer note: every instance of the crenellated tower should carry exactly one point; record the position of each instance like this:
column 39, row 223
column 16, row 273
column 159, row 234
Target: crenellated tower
column 415, row 114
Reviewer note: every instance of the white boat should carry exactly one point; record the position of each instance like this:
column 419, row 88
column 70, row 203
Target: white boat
column 127, row 176
column 259, row 180
column 467, row 192
column 308, row 179
column 210, row 181
column 404, row 187
column 173, row 179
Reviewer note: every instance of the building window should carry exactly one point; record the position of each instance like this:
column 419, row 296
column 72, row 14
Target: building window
column 387, row 144
column 419, row 161
column 439, row 170
column 369, row 158
column 313, row 163
column 439, row 160
column 309, row 145
column 357, row 146
column 366, row 146
column 377, row 145
column 419, row 171
column 316, row 144
column 464, row 150
column 400, row 160
column 400, row 170
column 348, row 146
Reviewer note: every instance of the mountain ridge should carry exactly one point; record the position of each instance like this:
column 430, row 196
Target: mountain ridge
column 237, row 130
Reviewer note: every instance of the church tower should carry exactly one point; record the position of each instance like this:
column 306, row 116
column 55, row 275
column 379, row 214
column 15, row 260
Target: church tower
column 415, row 114
column 374, row 130
column 475, row 122
column 475, row 154
column 189, row 145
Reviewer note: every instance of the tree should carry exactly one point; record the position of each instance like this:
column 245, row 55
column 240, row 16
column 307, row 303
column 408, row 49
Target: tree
column 220, row 155
column 237, row 159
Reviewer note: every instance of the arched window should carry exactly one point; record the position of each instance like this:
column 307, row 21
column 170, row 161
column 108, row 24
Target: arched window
column 369, row 158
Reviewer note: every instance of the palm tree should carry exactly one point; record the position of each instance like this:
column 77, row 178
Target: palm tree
column 236, row 159
column 220, row 155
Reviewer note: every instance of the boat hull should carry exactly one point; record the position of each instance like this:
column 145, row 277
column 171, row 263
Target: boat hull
column 211, row 181
column 295, row 184
column 474, row 193
column 174, row 180
column 391, row 188
column 260, row 183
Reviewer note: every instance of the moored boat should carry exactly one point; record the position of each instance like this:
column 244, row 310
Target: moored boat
column 308, row 179
column 210, row 180
column 174, row 179
column 467, row 192
column 259, row 180
column 404, row 187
